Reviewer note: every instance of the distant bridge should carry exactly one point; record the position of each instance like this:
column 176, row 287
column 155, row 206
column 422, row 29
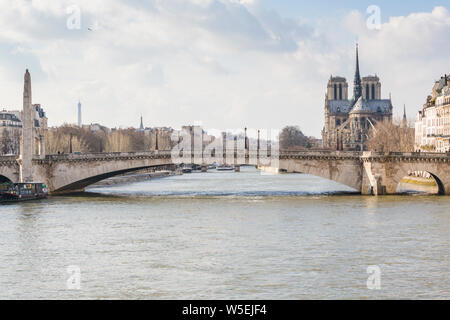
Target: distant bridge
column 367, row 172
column 375, row 173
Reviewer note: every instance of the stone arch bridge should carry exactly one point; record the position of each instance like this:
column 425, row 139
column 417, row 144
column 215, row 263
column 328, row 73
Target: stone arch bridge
column 366, row 172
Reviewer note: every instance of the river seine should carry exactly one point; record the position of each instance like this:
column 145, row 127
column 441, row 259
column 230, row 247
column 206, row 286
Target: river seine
column 226, row 235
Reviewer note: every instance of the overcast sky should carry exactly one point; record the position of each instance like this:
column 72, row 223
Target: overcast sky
column 224, row 63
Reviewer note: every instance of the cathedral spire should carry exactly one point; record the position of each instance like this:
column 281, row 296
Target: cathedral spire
column 357, row 88
column 405, row 120
column 142, row 124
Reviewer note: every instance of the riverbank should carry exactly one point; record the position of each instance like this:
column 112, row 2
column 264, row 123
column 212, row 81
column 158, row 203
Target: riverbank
column 418, row 184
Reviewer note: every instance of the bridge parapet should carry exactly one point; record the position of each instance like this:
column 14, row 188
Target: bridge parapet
column 7, row 160
column 107, row 156
column 180, row 157
column 368, row 172
column 318, row 154
column 366, row 156
column 370, row 156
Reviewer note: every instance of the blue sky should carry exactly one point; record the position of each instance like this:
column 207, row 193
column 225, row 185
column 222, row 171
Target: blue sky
column 228, row 64
column 318, row 9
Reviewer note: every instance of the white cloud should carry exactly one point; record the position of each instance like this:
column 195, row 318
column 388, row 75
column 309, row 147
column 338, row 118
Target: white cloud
column 408, row 53
column 226, row 63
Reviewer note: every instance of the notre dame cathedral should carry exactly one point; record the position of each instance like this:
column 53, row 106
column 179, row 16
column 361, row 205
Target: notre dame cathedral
column 348, row 122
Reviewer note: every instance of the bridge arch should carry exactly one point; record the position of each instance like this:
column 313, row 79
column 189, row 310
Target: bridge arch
column 64, row 174
column 4, row 179
column 9, row 173
column 438, row 188
column 346, row 171
column 83, row 183
column 439, row 183
column 429, row 167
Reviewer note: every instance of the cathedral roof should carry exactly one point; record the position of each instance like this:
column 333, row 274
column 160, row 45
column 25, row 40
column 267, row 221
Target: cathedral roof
column 371, row 106
column 339, row 106
column 361, row 106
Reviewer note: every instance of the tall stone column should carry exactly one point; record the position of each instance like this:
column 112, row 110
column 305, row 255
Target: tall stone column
column 27, row 141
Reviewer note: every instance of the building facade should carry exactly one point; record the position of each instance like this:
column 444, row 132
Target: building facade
column 11, row 130
column 349, row 121
column 432, row 126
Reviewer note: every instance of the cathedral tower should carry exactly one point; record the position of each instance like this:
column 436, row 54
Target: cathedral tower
column 337, row 88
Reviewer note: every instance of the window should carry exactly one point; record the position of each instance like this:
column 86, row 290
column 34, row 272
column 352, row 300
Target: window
column 373, row 91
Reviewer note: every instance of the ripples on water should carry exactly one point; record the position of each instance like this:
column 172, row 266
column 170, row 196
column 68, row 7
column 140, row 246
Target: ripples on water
column 226, row 235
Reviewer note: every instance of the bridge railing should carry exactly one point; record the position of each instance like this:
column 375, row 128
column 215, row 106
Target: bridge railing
column 96, row 155
column 8, row 158
column 282, row 153
column 319, row 153
column 406, row 154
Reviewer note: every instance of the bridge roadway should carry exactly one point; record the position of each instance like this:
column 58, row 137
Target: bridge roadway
column 367, row 172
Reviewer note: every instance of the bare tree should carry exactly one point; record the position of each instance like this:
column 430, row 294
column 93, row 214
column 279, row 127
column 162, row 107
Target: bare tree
column 16, row 136
column 84, row 140
column 6, row 142
column 292, row 138
column 391, row 136
column 59, row 140
column 118, row 141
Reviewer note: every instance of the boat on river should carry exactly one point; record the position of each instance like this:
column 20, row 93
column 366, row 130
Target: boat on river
column 225, row 168
column 17, row 192
column 186, row 169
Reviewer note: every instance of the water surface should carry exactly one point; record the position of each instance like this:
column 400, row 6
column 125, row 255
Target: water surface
column 226, row 235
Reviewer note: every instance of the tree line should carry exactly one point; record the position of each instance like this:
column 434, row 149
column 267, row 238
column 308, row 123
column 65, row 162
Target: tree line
column 385, row 136
column 10, row 142
column 391, row 136
column 67, row 138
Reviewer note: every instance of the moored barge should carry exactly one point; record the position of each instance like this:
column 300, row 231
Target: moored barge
column 17, row 192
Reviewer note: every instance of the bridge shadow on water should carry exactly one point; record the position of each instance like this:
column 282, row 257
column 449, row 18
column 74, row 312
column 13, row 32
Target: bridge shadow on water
column 249, row 183
column 88, row 194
